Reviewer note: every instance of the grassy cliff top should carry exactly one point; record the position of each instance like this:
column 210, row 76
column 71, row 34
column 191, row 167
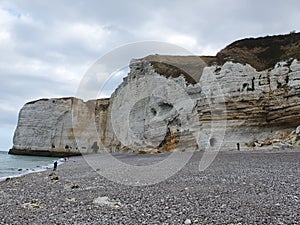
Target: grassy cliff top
column 262, row 53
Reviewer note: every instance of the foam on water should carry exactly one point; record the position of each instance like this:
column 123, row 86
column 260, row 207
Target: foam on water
column 17, row 165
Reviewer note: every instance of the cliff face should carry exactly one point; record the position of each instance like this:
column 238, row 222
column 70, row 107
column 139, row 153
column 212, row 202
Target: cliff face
column 254, row 106
column 49, row 127
column 177, row 103
column 258, row 104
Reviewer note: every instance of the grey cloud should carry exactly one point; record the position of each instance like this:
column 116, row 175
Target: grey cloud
column 7, row 118
column 26, row 87
column 38, row 32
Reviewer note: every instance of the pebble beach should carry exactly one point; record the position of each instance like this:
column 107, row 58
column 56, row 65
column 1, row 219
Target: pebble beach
column 237, row 188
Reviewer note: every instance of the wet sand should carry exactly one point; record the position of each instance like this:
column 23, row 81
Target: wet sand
column 237, row 188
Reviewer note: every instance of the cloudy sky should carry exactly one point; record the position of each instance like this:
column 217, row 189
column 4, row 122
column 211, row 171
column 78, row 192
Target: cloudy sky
column 47, row 46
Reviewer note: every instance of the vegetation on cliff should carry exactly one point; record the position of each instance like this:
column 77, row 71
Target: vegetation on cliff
column 262, row 53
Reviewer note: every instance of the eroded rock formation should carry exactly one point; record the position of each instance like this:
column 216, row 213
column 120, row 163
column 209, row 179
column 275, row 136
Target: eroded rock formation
column 175, row 103
column 49, row 127
column 253, row 106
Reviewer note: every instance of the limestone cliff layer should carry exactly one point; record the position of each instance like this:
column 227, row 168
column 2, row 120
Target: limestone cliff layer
column 178, row 103
column 48, row 127
column 230, row 105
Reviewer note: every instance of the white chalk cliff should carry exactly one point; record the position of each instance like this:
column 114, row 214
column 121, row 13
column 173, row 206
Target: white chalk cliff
column 171, row 103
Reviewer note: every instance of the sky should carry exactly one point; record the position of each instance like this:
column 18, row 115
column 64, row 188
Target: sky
column 46, row 47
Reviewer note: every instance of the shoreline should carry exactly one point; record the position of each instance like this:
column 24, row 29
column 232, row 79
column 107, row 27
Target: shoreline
column 20, row 172
column 61, row 160
column 29, row 171
column 44, row 153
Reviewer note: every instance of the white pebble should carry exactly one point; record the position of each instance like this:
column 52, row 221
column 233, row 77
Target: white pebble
column 187, row 221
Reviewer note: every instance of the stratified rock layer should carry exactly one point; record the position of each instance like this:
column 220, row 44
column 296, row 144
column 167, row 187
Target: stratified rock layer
column 257, row 103
column 239, row 99
column 48, row 127
column 230, row 105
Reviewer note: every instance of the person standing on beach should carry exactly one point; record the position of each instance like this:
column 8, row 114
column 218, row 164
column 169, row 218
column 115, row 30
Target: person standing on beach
column 55, row 166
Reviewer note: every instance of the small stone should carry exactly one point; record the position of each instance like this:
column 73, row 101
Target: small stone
column 187, row 221
column 298, row 130
column 73, row 186
column 55, row 179
column 68, row 186
column 71, row 199
column 34, row 204
column 105, row 201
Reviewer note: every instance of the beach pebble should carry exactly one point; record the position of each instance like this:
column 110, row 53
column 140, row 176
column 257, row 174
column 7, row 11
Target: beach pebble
column 55, row 179
column 71, row 186
column 34, row 204
column 187, row 222
column 101, row 200
column 107, row 202
column 71, row 199
column 298, row 130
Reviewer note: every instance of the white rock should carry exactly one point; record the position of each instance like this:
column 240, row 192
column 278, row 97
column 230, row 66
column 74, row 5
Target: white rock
column 187, row 221
column 298, row 130
column 71, row 199
column 101, row 201
column 105, row 201
column 34, row 204
column 49, row 125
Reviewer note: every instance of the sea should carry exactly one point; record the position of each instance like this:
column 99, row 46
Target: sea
column 18, row 165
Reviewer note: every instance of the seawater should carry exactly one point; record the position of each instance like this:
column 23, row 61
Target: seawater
column 17, row 165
